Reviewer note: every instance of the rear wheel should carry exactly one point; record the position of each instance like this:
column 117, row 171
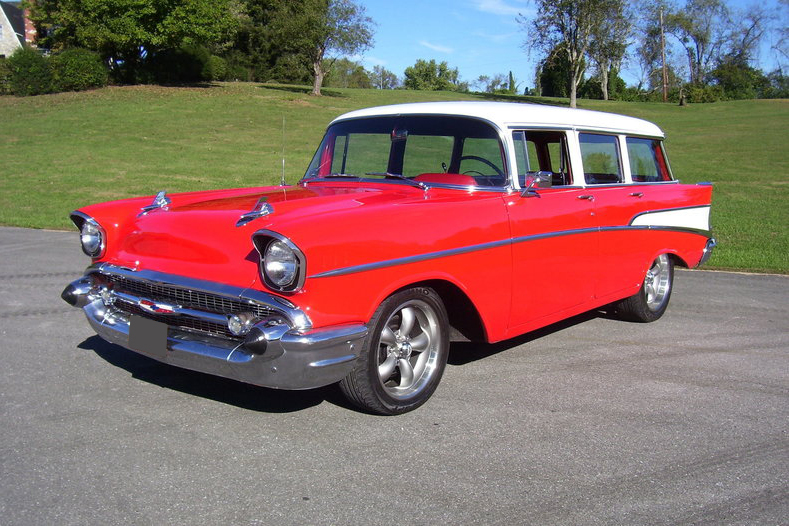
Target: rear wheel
column 651, row 301
column 404, row 355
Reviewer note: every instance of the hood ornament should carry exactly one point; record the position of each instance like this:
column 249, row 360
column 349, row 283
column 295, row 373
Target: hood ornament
column 261, row 208
column 160, row 201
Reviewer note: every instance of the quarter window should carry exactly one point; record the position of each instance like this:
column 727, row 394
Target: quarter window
column 600, row 155
column 647, row 162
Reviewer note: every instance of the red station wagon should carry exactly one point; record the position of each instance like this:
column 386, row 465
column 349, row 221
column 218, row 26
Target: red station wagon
column 414, row 223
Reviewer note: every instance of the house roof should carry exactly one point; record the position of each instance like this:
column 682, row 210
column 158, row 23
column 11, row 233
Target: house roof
column 16, row 18
column 509, row 114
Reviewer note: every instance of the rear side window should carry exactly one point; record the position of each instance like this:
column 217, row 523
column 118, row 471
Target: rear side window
column 600, row 155
column 647, row 162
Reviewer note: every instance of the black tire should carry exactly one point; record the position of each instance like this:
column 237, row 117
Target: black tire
column 651, row 301
column 404, row 354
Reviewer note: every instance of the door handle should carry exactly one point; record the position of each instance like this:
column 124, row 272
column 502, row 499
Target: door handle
column 637, row 194
column 587, row 197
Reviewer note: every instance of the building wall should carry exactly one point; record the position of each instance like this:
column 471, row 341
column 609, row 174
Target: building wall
column 8, row 39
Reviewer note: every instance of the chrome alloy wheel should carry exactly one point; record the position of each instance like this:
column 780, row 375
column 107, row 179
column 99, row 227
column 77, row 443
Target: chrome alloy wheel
column 657, row 283
column 408, row 349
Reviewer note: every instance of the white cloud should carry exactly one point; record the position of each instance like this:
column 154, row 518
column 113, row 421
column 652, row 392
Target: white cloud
column 501, row 7
column 436, row 47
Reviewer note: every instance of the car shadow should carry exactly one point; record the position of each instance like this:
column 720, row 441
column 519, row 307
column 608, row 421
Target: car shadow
column 265, row 400
column 217, row 388
column 462, row 353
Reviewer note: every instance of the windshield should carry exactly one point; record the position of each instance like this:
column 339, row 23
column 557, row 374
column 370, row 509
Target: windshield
column 429, row 149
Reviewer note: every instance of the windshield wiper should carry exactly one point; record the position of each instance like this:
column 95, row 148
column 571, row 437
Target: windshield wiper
column 328, row 176
column 418, row 184
column 337, row 174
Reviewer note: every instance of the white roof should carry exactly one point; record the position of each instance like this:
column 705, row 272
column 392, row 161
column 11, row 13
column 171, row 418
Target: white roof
column 513, row 114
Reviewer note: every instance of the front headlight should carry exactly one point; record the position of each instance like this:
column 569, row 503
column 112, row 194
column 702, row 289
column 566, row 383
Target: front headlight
column 91, row 235
column 281, row 263
column 92, row 239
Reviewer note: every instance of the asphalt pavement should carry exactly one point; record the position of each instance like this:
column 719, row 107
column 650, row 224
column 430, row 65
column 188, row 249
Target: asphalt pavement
column 592, row 421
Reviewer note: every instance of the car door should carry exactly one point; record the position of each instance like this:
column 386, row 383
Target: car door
column 554, row 242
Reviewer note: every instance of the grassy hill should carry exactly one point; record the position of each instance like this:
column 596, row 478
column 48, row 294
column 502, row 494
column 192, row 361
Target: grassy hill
column 63, row 151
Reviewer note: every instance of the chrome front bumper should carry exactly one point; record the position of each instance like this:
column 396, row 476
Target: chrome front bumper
column 275, row 354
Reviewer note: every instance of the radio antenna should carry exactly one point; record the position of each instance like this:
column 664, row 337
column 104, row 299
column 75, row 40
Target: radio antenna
column 282, row 179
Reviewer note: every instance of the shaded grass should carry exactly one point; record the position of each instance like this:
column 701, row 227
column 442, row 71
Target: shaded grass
column 60, row 152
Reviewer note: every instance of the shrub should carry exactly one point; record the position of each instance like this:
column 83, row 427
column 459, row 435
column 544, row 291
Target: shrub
column 184, row 64
column 30, row 73
column 215, row 68
column 78, row 69
column 704, row 93
column 5, row 77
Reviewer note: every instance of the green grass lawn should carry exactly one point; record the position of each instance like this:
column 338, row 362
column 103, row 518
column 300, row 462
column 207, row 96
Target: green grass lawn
column 60, row 152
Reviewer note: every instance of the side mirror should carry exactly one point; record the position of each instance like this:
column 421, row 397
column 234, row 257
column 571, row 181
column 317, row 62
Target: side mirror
column 536, row 180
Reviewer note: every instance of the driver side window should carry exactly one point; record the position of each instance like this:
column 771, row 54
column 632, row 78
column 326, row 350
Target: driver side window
column 544, row 151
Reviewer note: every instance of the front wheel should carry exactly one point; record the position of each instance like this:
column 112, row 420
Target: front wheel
column 404, row 355
column 651, row 301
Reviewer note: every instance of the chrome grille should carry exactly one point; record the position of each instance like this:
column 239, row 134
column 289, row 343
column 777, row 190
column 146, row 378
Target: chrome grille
column 192, row 299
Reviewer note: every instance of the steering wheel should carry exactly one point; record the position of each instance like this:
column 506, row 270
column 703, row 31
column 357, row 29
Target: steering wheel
column 483, row 161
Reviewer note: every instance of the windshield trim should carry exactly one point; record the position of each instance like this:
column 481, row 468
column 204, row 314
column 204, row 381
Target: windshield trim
column 504, row 144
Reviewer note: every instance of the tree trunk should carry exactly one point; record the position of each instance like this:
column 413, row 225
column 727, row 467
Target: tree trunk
column 604, row 83
column 316, row 85
column 317, row 67
column 573, row 91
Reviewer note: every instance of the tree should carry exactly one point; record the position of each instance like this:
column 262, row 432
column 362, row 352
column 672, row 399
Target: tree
column 126, row 32
column 492, row 84
column 344, row 73
column 569, row 24
column 609, row 42
column 554, row 73
column 781, row 47
column 739, row 80
column 430, row 76
column 649, row 52
column 340, row 28
column 382, row 78
column 748, row 28
column 701, row 28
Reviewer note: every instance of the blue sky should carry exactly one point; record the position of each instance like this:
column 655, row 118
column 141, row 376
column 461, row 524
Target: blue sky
column 479, row 37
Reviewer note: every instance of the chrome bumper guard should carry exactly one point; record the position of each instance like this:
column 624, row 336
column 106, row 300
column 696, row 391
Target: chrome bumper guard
column 280, row 351
column 705, row 255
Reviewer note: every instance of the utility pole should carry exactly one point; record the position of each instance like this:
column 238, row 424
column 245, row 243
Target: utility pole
column 663, row 55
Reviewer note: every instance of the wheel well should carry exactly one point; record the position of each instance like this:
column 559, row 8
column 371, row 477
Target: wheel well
column 464, row 318
column 678, row 261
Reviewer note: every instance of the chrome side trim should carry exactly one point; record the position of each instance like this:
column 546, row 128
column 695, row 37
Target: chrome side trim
column 410, row 259
column 494, row 244
column 297, row 318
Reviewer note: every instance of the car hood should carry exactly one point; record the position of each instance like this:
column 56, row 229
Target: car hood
column 196, row 234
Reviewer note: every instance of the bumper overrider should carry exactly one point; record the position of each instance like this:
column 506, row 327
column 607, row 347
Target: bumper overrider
column 185, row 322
